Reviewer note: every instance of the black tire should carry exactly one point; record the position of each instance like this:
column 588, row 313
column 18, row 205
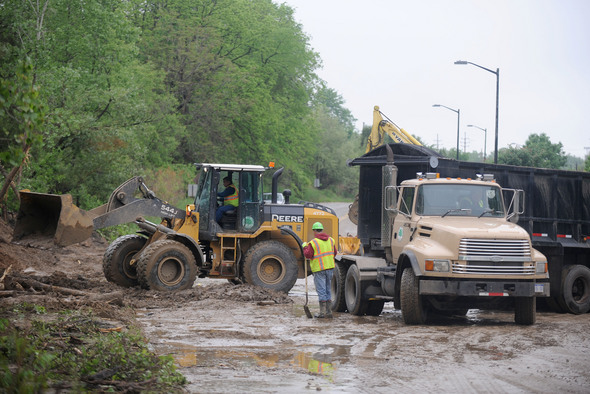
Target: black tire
column 272, row 265
column 375, row 307
column 337, row 288
column 575, row 289
column 525, row 310
column 413, row 306
column 116, row 259
column 353, row 292
column 166, row 265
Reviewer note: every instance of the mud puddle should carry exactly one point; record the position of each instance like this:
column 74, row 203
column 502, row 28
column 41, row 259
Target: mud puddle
column 224, row 345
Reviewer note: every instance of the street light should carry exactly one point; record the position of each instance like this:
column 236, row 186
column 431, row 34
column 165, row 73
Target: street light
column 485, row 139
column 458, row 117
column 497, row 72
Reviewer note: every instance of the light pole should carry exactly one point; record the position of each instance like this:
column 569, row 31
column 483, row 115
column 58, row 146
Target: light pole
column 497, row 72
column 458, row 117
column 485, row 139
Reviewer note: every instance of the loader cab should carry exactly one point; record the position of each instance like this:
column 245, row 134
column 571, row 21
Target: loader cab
column 247, row 216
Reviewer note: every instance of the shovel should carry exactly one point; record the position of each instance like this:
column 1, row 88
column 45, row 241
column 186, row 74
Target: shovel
column 305, row 307
column 289, row 231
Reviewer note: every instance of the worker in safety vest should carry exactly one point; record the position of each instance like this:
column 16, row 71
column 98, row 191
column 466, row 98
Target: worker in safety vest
column 230, row 198
column 321, row 250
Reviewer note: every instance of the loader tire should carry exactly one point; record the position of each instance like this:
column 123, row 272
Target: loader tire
column 413, row 305
column 337, row 288
column 271, row 265
column 116, row 260
column 353, row 292
column 166, row 265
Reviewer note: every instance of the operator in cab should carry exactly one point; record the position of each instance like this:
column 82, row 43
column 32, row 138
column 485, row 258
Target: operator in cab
column 230, row 199
column 321, row 250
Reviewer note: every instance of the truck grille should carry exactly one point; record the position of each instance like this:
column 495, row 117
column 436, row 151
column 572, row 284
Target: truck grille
column 494, row 257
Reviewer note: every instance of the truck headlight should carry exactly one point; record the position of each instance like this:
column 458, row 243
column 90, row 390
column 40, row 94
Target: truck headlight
column 437, row 265
column 541, row 267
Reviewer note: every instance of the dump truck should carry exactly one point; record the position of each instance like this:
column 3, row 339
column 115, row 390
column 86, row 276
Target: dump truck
column 257, row 242
column 437, row 241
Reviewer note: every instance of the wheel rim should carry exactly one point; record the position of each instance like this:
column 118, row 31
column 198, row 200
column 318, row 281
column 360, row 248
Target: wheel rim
column 579, row 290
column 271, row 270
column 171, row 271
column 130, row 270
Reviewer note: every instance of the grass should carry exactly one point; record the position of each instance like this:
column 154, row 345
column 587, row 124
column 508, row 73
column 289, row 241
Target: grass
column 74, row 351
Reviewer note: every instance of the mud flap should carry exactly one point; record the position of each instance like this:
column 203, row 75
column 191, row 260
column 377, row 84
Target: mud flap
column 52, row 216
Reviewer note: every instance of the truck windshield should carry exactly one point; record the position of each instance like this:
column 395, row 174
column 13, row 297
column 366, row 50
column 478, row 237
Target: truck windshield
column 459, row 200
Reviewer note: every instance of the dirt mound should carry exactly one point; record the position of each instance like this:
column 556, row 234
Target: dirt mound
column 42, row 271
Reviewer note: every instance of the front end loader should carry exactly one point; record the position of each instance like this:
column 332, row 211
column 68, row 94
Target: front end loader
column 256, row 243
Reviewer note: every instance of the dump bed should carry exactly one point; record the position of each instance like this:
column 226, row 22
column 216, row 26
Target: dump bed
column 557, row 205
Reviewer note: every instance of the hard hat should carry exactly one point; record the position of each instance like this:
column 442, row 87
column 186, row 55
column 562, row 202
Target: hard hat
column 317, row 226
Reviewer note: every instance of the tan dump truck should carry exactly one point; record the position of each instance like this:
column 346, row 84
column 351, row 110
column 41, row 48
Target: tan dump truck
column 446, row 245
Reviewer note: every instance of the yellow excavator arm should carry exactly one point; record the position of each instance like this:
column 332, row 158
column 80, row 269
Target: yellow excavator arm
column 382, row 126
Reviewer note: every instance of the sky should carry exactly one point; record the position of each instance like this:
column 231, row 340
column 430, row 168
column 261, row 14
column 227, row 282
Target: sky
column 400, row 56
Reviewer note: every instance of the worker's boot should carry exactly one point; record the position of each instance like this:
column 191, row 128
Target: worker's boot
column 322, row 313
column 329, row 309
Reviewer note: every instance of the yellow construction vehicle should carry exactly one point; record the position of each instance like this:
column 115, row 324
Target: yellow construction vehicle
column 381, row 127
column 376, row 139
column 258, row 242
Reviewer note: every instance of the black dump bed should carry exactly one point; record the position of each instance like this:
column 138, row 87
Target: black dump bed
column 557, row 205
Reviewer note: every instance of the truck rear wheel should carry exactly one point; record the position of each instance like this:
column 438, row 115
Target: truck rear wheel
column 166, row 265
column 337, row 288
column 525, row 312
column 353, row 292
column 116, row 260
column 271, row 265
column 575, row 297
column 414, row 309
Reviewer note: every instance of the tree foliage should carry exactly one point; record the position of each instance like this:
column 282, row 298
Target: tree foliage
column 538, row 151
column 133, row 87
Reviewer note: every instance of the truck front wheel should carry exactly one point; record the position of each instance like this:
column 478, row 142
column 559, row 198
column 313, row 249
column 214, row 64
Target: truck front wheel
column 353, row 292
column 575, row 297
column 337, row 288
column 116, row 260
column 413, row 306
column 271, row 265
column 166, row 265
column 525, row 312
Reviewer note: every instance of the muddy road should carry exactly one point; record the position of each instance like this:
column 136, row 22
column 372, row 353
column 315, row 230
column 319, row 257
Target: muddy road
column 244, row 339
column 224, row 346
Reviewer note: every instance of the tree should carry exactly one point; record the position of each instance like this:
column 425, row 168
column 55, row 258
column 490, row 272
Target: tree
column 587, row 166
column 538, row 151
column 21, row 122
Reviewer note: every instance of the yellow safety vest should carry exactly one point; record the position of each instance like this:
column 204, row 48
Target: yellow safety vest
column 232, row 199
column 323, row 254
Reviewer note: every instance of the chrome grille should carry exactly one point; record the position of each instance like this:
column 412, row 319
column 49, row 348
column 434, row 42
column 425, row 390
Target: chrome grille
column 494, row 257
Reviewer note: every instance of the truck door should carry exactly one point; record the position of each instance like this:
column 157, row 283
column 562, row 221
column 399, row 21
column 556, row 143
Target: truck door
column 402, row 226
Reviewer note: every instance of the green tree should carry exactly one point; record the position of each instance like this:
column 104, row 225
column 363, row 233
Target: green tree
column 21, row 123
column 538, row 151
column 587, row 166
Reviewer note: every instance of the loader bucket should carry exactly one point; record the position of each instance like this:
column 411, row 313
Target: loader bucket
column 51, row 216
column 350, row 245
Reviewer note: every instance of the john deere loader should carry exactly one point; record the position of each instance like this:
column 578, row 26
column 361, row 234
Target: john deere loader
column 257, row 242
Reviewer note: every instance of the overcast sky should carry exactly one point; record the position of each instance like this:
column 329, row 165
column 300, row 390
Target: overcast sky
column 400, row 56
